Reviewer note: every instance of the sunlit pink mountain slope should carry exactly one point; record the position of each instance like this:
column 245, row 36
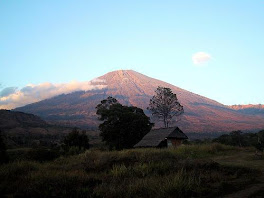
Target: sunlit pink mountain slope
column 132, row 88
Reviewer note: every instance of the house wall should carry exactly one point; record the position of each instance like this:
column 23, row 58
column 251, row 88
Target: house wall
column 174, row 142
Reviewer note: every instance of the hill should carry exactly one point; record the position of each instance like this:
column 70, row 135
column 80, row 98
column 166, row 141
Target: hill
column 16, row 123
column 132, row 88
column 12, row 119
column 250, row 109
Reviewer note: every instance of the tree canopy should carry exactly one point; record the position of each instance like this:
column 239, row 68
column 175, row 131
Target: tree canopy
column 122, row 126
column 165, row 105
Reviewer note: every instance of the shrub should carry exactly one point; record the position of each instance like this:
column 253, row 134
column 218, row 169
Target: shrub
column 75, row 142
column 3, row 155
column 42, row 154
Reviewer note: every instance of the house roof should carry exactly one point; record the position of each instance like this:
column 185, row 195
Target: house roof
column 156, row 136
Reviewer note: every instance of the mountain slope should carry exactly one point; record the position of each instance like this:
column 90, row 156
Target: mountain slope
column 11, row 119
column 19, row 123
column 249, row 109
column 132, row 88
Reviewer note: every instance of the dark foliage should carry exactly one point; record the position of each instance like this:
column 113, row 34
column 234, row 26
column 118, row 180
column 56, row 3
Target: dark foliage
column 165, row 105
column 3, row 154
column 122, row 126
column 31, row 140
column 260, row 145
column 76, row 140
column 237, row 138
column 42, row 154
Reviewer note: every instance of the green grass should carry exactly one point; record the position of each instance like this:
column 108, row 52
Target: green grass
column 183, row 172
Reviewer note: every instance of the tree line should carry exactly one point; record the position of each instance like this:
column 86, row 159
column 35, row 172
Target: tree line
column 240, row 139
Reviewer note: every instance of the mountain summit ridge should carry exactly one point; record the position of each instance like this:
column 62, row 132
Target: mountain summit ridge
column 132, row 88
column 144, row 83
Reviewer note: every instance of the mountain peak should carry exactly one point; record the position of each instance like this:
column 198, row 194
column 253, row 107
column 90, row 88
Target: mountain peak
column 119, row 74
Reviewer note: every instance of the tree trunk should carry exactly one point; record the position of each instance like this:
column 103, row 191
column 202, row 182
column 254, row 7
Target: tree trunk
column 164, row 122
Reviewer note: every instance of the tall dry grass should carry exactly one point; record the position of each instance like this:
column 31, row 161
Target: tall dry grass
column 183, row 172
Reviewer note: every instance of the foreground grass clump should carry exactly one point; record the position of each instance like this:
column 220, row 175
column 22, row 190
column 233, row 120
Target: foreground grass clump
column 146, row 184
column 183, row 172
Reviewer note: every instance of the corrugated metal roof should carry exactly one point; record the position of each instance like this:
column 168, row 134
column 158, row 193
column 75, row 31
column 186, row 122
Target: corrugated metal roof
column 156, row 136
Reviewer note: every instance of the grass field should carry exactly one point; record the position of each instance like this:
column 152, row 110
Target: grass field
column 243, row 158
column 210, row 170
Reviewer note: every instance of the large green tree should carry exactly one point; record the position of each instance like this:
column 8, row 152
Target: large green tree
column 122, row 126
column 165, row 105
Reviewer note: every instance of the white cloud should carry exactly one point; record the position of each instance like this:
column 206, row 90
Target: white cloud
column 200, row 58
column 98, row 80
column 34, row 93
column 7, row 91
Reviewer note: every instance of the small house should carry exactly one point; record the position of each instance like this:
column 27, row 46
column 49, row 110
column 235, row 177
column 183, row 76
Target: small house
column 164, row 137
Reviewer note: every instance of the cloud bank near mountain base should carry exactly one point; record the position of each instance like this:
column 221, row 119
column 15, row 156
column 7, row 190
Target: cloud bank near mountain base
column 11, row 97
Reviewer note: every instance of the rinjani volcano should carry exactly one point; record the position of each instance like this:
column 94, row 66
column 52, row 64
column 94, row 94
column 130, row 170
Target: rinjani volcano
column 132, row 88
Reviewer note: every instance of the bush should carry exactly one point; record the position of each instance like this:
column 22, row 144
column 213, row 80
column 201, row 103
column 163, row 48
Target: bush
column 42, row 154
column 3, row 154
column 75, row 142
column 260, row 144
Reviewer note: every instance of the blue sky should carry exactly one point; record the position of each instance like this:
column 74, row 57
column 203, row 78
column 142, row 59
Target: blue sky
column 61, row 41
